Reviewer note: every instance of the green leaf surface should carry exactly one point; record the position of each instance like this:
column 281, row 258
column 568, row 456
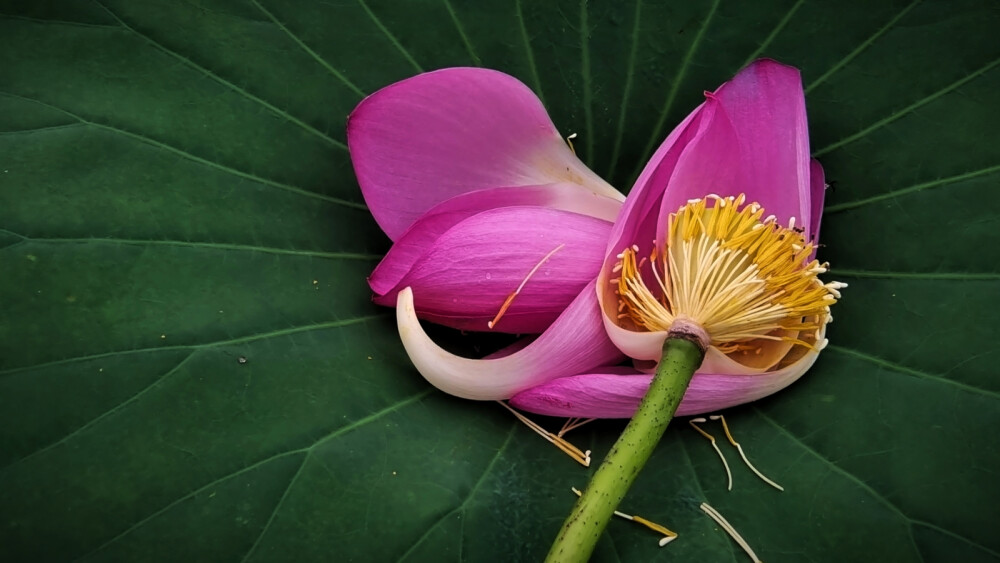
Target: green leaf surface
column 191, row 368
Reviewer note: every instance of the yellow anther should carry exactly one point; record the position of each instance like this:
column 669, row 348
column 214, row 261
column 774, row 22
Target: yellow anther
column 581, row 457
column 741, row 276
column 729, row 436
column 668, row 535
column 729, row 475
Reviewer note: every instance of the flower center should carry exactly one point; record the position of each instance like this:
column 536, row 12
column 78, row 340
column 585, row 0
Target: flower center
column 741, row 276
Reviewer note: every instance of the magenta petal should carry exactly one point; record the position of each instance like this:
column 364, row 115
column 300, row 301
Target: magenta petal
column 575, row 343
column 608, row 394
column 709, row 164
column 637, row 220
column 590, row 395
column 429, row 138
column 767, row 108
column 468, row 272
column 417, row 240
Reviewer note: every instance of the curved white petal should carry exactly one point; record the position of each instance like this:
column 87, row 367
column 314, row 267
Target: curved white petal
column 575, row 342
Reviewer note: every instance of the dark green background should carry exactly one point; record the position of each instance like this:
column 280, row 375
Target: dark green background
column 175, row 194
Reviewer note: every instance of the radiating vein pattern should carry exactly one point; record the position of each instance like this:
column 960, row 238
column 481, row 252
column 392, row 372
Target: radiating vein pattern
column 193, row 157
column 189, row 355
column 242, row 91
column 907, row 110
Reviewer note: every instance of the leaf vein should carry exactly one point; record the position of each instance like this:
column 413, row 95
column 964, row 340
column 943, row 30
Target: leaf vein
column 195, row 158
column 197, row 244
column 930, row 276
column 626, row 93
column 674, row 89
column 315, row 56
column 217, row 78
column 461, row 32
column 588, row 101
column 59, row 22
column 864, row 486
column 277, row 507
column 908, row 109
column 388, row 34
column 304, row 450
column 465, row 502
column 861, row 48
column 209, row 345
column 107, row 413
column 42, row 129
column 912, row 189
column 774, row 33
column 529, row 51
column 910, row 371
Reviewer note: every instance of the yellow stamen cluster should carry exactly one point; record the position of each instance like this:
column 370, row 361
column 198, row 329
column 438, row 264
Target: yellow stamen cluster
column 738, row 274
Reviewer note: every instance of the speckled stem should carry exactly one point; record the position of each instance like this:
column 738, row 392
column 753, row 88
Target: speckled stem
column 682, row 354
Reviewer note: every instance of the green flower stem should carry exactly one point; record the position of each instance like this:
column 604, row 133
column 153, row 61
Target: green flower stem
column 607, row 488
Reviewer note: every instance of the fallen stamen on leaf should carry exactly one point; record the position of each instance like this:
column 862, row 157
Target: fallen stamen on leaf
column 725, row 525
column 725, row 428
column 583, row 458
column 715, row 446
column 510, row 298
column 573, row 424
column 669, row 535
column 569, row 141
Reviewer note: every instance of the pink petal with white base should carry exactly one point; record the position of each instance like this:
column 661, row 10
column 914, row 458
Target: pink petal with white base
column 419, row 238
column 440, row 134
column 468, row 273
column 609, row 395
column 575, row 343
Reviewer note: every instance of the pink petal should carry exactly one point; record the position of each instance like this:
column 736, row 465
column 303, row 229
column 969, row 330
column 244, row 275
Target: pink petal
column 415, row 242
column 757, row 144
column 468, row 272
column 637, row 220
column 767, row 108
column 575, row 343
column 610, row 395
column 440, row 134
column 748, row 137
column 708, row 165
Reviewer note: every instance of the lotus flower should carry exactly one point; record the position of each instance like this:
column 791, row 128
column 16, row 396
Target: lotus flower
column 698, row 210
column 492, row 213
column 465, row 172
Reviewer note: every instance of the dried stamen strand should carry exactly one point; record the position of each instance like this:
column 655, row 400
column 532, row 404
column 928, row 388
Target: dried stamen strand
column 729, row 474
column 583, row 458
column 725, row 525
column 725, row 428
column 569, row 141
column 668, row 535
column 510, row 298
column 573, row 424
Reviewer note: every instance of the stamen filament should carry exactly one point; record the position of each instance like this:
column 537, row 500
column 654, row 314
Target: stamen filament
column 569, row 141
column 745, row 280
column 583, row 458
column 725, row 428
column 669, row 535
column 510, row 298
column 729, row 529
column 729, row 475
column 573, row 424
